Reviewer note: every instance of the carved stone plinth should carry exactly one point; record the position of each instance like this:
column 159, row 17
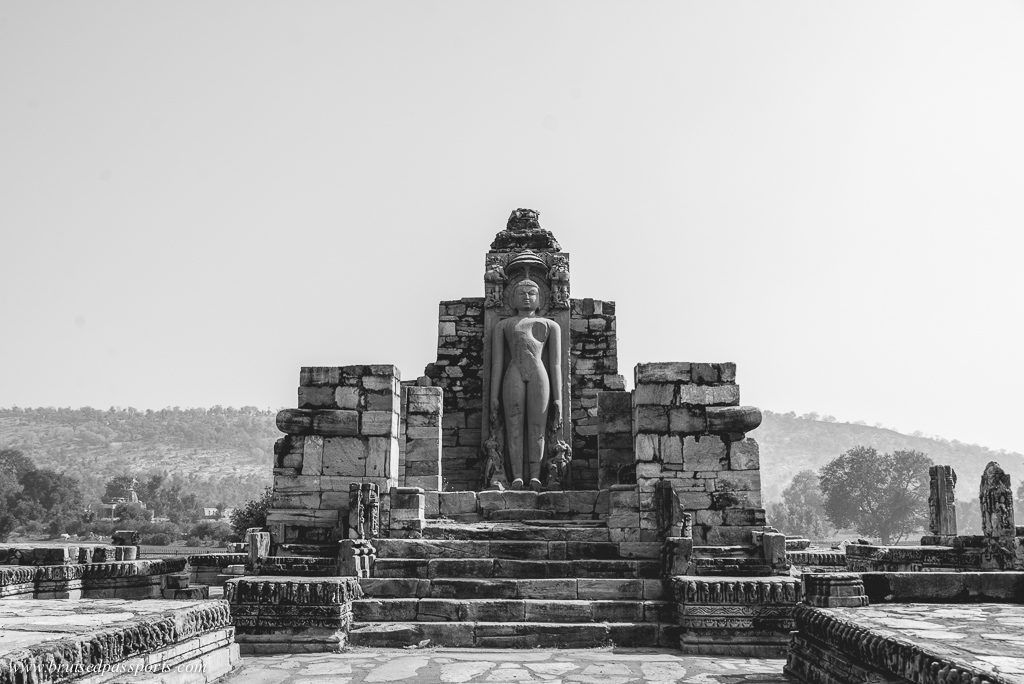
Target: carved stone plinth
column 736, row 616
column 291, row 614
column 356, row 557
column 834, row 590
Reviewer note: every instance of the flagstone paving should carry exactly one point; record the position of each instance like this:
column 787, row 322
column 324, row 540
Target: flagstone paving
column 585, row 666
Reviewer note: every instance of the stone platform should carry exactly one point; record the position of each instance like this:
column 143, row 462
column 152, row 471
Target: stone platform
column 572, row 666
column 138, row 579
column 924, row 643
column 115, row 640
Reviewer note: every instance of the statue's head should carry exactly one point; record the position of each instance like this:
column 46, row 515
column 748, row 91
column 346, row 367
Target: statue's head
column 526, row 296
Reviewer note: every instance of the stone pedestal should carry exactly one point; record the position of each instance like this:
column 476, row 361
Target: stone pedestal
column 736, row 616
column 291, row 614
column 834, row 590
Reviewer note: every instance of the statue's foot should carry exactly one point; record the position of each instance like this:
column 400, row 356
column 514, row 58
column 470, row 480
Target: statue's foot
column 535, row 485
column 517, row 483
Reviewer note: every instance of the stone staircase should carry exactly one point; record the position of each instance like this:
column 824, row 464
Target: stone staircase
column 559, row 583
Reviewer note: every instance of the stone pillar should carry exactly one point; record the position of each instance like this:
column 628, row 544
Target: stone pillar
column 345, row 431
column 423, row 416
column 997, row 524
column 614, row 436
column 690, row 431
column 624, row 514
column 942, row 501
column 258, row 548
column 407, row 512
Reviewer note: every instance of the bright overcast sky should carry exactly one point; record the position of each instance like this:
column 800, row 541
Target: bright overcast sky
column 197, row 198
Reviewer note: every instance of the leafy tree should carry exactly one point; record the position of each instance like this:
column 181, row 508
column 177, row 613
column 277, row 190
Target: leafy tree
column 132, row 514
column 880, row 495
column 13, row 460
column 49, row 497
column 211, row 530
column 120, row 487
column 802, row 510
column 251, row 514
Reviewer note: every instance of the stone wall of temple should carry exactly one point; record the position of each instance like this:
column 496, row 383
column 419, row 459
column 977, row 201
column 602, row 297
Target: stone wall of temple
column 457, row 370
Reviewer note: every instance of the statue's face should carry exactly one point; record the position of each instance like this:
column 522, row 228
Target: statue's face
column 527, row 298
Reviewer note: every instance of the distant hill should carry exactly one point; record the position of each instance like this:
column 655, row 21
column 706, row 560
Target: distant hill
column 225, row 454
column 790, row 444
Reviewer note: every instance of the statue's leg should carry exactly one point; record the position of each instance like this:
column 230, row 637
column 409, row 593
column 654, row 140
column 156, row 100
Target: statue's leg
column 537, row 400
column 513, row 399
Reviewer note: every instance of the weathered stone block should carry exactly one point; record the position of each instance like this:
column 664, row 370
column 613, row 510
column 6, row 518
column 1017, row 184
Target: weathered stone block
column 320, row 375
column 646, row 447
column 334, row 423
column 670, row 449
column 345, row 456
column 708, row 395
column 693, row 501
column 316, row 397
column 648, row 419
column 707, row 453
column 457, row 503
column 744, row 455
column 689, row 420
column 312, row 455
column 378, row 423
column 654, row 394
column 346, row 397
column 661, row 372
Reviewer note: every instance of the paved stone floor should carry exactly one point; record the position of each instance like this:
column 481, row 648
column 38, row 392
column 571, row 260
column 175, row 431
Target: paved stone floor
column 989, row 636
column 596, row 666
column 34, row 621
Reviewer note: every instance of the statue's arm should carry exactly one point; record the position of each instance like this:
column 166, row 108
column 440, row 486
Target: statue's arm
column 555, row 365
column 497, row 363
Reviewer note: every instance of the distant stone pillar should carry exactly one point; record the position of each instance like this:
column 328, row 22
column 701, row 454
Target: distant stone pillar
column 997, row 518
column 941, row 500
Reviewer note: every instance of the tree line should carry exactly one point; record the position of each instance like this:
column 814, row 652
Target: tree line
column 867, row 493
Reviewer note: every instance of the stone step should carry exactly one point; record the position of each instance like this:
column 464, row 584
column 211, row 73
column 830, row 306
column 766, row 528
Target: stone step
column 430, row 568
column 509, row 610
column 746, row 567
column 567, row 589
column 747, row 551
column 520, row 514
column 513, row 634
column 515, row 550
column 513, row 531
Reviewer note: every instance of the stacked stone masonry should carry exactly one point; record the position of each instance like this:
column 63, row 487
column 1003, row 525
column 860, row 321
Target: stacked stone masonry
column 690, row 430
column 345, row 431
column 457, row 371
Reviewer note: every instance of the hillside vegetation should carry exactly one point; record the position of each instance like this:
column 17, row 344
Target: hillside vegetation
column 224, row 455
column 790, row 444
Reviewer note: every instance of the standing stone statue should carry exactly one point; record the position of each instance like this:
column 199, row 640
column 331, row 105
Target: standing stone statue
column 530, row 394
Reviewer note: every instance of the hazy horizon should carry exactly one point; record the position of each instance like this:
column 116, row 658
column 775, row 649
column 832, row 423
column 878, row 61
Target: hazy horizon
column 200, row 199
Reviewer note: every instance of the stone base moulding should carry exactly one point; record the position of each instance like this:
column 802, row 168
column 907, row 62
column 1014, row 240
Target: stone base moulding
column 291, row 614
column 749, row 616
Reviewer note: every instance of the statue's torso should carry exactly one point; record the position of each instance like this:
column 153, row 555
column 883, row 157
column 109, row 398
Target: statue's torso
column 526, row 338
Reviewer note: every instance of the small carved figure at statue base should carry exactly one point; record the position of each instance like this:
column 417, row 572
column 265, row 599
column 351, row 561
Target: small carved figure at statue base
column 493, row 464
column 556, row 466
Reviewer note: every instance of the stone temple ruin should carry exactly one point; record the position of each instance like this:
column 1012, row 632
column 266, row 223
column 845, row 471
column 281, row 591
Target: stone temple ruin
column 517, row 495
